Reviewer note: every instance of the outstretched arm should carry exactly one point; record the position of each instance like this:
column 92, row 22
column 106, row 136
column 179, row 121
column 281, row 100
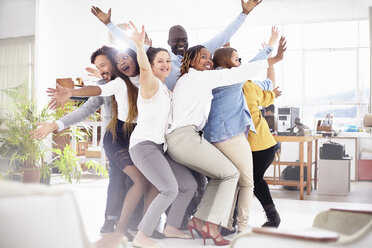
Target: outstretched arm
column 78, row 115
column 226, row 34
column 61, row 95
column 44, row 130
column 148, row 82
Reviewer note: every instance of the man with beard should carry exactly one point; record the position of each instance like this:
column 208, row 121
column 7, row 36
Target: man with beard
column 119, row 182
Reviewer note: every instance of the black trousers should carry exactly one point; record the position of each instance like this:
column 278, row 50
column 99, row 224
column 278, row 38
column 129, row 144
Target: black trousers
column 261, row 161
column 119, row 183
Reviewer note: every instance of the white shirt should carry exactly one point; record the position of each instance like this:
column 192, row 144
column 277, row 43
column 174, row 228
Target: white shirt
column 192, row 96
column 118, row 88
column 153, row 117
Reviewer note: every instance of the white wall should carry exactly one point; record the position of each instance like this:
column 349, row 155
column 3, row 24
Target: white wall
column 17, row 18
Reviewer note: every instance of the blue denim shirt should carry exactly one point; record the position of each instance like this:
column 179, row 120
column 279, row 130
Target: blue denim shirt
column 229, row 114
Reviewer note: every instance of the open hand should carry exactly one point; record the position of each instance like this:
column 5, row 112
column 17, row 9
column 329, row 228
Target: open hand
column 44, row 129
column 281, row 48
column 60, row 96
column 249, row 5
column 93, row 72
column 102, row 16
column 148, row 40
column 277, row 92
column 133, row 33
column 274, row 35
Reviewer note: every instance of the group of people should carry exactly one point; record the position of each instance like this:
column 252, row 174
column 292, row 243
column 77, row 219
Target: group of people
column 184, row 127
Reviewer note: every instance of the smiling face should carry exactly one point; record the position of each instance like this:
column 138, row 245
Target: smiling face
column 203, row 61
column 125, row 64
column 177, row 40
column 105, row 67
column 161, row 65
column 235, row 59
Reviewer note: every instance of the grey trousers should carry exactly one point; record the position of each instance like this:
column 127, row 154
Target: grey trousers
column 187, row 146
column 175, row 183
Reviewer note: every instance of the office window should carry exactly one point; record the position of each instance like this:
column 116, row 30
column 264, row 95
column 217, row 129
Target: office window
column 364, row 75
column 16, row 67
column 330, row 76
column 330, row 34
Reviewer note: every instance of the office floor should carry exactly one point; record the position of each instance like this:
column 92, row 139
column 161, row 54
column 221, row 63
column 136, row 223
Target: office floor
column 295, row 214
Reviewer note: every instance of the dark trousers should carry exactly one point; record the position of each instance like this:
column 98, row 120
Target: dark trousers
column 119, row 183
column 116, row 191
column 202, row 182
column 261, row 161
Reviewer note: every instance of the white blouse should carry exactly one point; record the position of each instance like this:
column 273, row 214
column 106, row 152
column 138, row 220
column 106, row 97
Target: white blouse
column 118, row 88
column 192, row 96
column 153, row 117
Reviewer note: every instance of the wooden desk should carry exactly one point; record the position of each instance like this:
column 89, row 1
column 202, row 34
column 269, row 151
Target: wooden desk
column 308, row 164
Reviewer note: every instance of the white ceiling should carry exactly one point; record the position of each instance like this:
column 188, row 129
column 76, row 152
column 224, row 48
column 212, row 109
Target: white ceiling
column 17, row 17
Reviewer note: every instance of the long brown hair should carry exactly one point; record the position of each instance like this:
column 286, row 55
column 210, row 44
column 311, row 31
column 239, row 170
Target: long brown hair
column 190, row 56
column 222, row 57
column 132, row 97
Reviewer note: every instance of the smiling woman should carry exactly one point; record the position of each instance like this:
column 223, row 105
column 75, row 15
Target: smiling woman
column 192, row 98
column 175, row 183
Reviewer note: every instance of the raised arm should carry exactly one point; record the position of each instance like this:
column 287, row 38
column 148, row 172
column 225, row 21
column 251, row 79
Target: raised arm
column 148, row 82
column 223, row 37
column 117, row 32
column 268, row 48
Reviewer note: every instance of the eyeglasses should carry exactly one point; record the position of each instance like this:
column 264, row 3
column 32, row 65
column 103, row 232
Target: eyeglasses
column 240, row 60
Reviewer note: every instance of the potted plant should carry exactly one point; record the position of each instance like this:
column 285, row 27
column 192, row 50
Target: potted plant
column 68, row 164
column 25, row 155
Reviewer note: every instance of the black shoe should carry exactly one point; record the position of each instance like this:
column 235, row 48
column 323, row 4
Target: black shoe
column 273, row 218
column 157, row 235
column 225, row 232
column 108, row 226
column 129, row 236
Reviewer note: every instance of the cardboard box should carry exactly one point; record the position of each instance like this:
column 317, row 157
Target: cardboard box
column 365, row 169
column 334, row 177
